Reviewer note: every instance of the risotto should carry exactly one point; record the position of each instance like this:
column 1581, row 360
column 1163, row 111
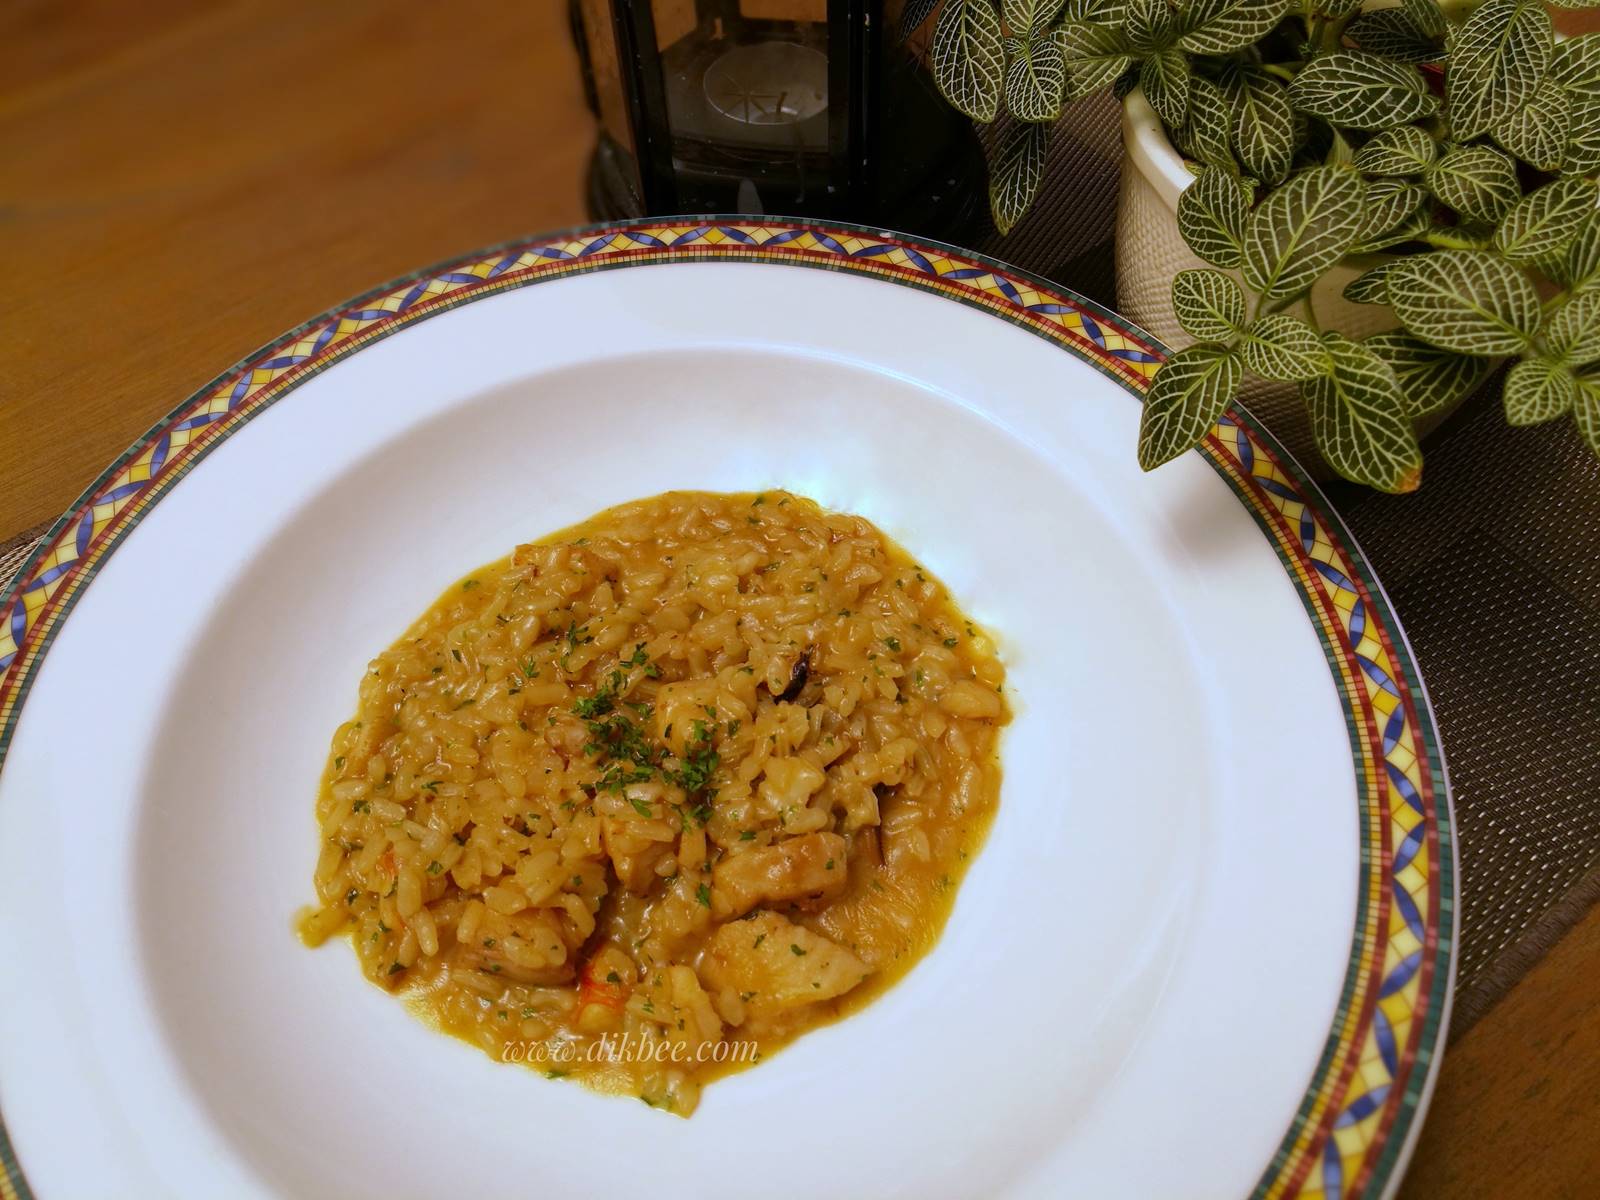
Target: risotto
column 653, row 796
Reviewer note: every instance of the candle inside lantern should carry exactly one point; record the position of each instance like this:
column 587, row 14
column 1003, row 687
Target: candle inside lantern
column 769, row 83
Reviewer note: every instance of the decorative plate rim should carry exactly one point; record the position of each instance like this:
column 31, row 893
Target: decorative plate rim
column 1360, row 1114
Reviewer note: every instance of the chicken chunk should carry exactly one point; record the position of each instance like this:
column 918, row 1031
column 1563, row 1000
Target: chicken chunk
column 527, row 947
column 775, row 965
column 810, row 867
column 633, row 855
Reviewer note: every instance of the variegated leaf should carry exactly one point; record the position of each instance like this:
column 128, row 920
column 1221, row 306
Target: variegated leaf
column 1361, row 91
column 1572, row 332
column 1393, row 33
column 1469, row 301
column 1541, row 225
column 1278, row 346
column 1575, row 65
column 1151, row 25
column 1210, row 306
column 1427, row 16
column 913, row 15
column 1358, row 419
column 1164, row 79
column 1211, row 215
column 1029, row 18
column 1586, row 413
column 1537, row 390
column 1496, row 61
column 1095, row 56
column 1479, row 182
column 1537, row 132
column 1301, row 230
column 1223, row 26
column 1414, row 227
column 1015, row 174
column 1404, row 150
column 1035, row 79
column 1263, row 122
column 1370, row 287
column 1581, row 270
column 1208, row 132
column 1389, row 204
column 1191, row 390
column 1431, row 380
column 968, row 62
column 1094, row 12
column 1123, row 85
column 1583, row 138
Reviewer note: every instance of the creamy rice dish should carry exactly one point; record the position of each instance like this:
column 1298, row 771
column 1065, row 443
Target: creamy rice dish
column 653, row 796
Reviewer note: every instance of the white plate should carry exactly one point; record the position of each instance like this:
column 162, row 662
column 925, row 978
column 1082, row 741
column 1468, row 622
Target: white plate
column 1205, row 951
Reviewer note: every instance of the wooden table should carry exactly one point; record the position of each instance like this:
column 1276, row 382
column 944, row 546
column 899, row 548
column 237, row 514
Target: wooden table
column 183, row 180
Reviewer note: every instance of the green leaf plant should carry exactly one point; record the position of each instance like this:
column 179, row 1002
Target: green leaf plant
column 1449, row 151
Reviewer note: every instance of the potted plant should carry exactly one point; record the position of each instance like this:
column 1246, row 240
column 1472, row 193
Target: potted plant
column 1436, row 167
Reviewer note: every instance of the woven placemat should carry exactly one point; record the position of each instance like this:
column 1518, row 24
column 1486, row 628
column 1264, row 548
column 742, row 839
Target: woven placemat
column 1494, row 568
column 14, row 553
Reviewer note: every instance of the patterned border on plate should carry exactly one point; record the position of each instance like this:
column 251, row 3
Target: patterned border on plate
column 1352, row 1126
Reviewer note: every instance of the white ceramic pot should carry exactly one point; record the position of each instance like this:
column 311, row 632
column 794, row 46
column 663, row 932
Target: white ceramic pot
column 1150, row 251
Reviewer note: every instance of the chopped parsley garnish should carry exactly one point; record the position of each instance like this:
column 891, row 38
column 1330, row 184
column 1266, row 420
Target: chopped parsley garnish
column 434, row 868
column 395, row 968
column 951, row 642
column 893, row 643
column 796, row 951
column 703, row 894
column 468, row 584
column 613, row 977
column 749, row 835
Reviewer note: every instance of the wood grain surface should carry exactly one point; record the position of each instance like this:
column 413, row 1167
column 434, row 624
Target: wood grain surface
column 181, row 181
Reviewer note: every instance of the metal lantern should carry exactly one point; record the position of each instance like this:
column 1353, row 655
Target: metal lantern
column 797, row 107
